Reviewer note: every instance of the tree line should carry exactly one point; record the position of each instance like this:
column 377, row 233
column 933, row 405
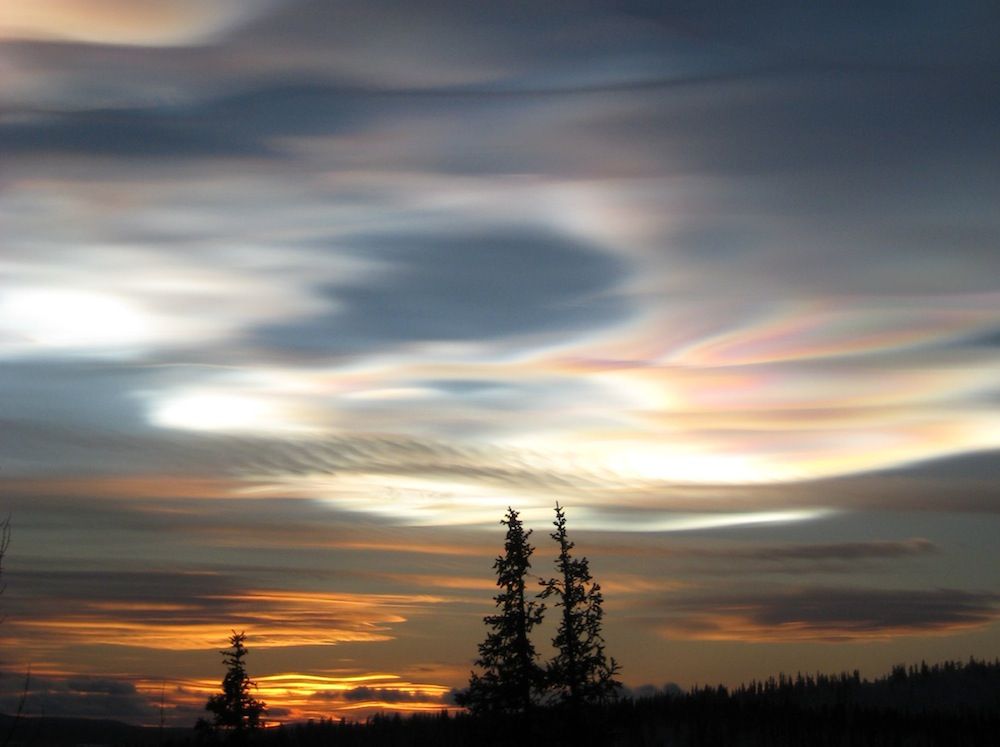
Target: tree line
column 941, row 705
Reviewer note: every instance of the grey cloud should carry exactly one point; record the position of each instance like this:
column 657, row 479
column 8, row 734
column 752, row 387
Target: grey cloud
column 312, row 68
column 384, row 695
column 464, row 286
column 292, row 108
column 56, row 449
column 452, row 43
column 794, row 558
column 840, row 552
column 204, row 594
column 962, row 483
column 100, row 685
column 856, row 33
column 74, row 394
column 990, row 340
column 147, row 134
column 447, row 40
column 966, row 482
column 250, row 122
column 830, row 613
column 978, row 466
column 87, row 697
column 68, row 589
column 874, row 610
column 238, row 124
column 472, row 386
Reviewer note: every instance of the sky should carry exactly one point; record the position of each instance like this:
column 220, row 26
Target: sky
column 297, row 297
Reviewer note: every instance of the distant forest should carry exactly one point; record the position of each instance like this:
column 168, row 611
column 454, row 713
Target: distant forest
column 950, row 704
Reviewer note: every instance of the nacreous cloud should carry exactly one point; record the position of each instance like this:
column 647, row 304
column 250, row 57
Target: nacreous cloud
column 132, row 22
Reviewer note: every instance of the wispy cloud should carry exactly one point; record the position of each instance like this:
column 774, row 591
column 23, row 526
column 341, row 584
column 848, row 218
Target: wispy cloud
column 186, row 611
column 827, row 614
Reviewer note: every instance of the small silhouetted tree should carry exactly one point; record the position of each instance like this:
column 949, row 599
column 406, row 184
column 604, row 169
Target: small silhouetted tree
column 510, row 672
column 236, row 712
column 581, row 672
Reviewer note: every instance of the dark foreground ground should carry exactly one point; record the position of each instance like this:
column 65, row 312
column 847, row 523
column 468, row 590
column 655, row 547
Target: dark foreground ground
column 70, row 732
column 953, row 704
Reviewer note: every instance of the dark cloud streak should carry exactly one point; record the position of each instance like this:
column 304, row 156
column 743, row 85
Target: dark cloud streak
column 829, row 614
column 464, row 286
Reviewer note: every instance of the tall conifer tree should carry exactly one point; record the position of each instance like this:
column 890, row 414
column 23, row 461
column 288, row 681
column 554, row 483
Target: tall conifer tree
column 235, row 710
column 581, row 672
column 510, row 672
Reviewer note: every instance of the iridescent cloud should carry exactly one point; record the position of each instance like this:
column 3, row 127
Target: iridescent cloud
column 298, row 297
column 173, row 22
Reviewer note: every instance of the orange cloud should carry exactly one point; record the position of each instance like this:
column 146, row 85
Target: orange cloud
column 162, row 23
column 272, row 619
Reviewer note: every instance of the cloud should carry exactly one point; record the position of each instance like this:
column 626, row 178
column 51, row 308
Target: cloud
column 100, row 685
column 827, row 614
column 166, row 22
column 178, row 611
column 463, row 286
column 122, row 134
column 88, row 697
column 107, row 306
column 454, row 44
column 963, row 482
column 795, row 554
column 857, row 36
column 300, row 286
column 846, row 552
column 243, row 124
column 385, row 695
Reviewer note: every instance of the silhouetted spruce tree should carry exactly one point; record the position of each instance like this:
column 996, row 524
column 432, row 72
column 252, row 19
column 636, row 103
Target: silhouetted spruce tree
column 580, row 673
column 235, row 711
column 510, row 672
